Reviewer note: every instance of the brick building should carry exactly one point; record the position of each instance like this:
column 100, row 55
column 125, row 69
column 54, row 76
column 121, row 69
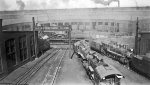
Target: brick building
column 16, row 49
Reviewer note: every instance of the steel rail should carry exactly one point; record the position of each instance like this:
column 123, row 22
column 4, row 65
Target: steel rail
column 25, row 78
column 57, row 68
column 21, row 76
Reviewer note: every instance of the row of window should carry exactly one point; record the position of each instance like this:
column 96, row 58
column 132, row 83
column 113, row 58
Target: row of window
column 81, row 23
column 11, row 50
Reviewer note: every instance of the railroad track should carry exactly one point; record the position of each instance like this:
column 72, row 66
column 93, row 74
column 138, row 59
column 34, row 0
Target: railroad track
column 56, row 72
column 23, row 79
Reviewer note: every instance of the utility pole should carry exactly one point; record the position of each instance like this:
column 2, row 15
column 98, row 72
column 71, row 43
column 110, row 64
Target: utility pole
column 70, row 40
column 35, row 43
column 136, row 37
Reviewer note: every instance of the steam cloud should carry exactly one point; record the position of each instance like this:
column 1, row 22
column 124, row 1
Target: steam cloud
column 63, row 4
column 21, row 4
column 104, row 2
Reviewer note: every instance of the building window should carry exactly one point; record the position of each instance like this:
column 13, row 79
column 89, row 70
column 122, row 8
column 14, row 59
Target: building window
column 46, row 24
column 60, row 24
column 87, row 23
column 112, row 23
column 100, row 23
column 27, row 26
column 73, row 23
column 10, row 52
column 80, row 23
column 106, row 23
column 66, row 23
column 117, row 29
column 117, row 24
column 32, row 46
column 23, row 48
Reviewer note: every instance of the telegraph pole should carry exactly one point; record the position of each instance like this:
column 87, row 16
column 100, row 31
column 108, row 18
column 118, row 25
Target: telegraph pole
column 136, row 37
column 35, row 43
column 70, row 40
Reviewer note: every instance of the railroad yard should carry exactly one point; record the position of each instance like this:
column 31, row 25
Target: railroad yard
column 58, row 68
column 74, row 42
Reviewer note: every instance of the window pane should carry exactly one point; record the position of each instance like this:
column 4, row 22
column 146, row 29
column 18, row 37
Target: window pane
column 100, row 23
column 112, row 24
column 23, row 53
column 106, row 23
column 10, row 52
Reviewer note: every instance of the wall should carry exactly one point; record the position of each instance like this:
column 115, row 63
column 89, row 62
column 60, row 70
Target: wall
column 16, row 35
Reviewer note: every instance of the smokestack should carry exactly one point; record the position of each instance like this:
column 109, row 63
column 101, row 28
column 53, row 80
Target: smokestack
column 1, row 25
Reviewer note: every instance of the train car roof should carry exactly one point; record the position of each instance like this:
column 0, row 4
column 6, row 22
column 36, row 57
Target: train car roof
column 105, row 71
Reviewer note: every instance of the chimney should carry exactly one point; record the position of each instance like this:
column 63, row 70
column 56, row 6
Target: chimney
column 1, row 25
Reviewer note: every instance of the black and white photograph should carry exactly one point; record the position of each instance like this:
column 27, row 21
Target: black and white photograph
column 74, row 42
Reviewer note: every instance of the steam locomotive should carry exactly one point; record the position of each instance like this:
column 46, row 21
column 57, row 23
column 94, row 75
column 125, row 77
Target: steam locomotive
column 113, row 50
column 97, row 70
column 139, row 63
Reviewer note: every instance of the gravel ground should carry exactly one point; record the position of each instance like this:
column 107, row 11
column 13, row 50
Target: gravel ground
column 72, row 73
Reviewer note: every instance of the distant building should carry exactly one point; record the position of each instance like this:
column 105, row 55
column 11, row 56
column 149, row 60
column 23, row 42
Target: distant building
column 112, row 20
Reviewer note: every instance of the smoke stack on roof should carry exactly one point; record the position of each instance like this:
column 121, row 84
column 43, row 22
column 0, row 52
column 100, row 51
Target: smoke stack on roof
column 21, row 4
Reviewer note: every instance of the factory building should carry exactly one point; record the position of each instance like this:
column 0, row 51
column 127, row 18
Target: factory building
column 16, row 49
column 109, row 20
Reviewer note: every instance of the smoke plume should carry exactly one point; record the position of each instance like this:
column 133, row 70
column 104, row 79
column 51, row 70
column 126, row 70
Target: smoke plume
column 21, row 4
column 104, row 2
column 65, row 4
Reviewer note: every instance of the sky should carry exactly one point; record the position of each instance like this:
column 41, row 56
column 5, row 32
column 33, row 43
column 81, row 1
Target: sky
column 66, row 4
